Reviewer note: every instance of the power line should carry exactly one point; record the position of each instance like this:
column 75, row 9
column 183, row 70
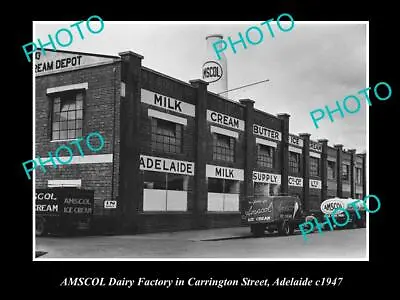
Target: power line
column 244, row 86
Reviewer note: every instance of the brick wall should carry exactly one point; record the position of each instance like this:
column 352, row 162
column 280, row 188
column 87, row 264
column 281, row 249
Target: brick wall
column 98, row 115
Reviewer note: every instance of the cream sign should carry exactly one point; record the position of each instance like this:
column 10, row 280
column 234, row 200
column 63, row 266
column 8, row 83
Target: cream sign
column 315, row 146
column 295, row 181
column 225, row 120
column 54, row 62
column 168, row 103
column 315, row 184
column 165, row 165
column 224, row 172
column 266, row 177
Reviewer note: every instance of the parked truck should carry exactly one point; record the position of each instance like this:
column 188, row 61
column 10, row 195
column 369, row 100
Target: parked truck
column 274, row 213
column 62, row 210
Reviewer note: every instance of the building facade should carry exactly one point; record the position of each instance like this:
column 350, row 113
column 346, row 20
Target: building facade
column 176, row 156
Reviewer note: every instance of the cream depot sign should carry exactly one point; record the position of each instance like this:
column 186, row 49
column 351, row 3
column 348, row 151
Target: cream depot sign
column 224, row 172
column 315, row 184
column 295, row 181
column 54, row 62
column 165, row 165
column 225, row 120
column 168, row 103
column 266, row 177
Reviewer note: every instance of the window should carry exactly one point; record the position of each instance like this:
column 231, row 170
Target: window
column 164, row 191
column 223, row 195
column 266, row 189
column 345, row 172
column 265, row 156
column 223, row 147
column 314, row 166
column 294, row 162
column 67, row 116
column 331, row 170
column 166, row 136
column 358, row 176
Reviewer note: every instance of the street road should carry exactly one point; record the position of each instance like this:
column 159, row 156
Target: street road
column 226, row 243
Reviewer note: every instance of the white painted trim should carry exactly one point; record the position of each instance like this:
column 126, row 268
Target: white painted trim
column 316, row 155
column 78, row 86
column 122, row 89
column 160, row 115
column 76, row 160
column 64, row 182
column 266, row 142
column 224, row 131
column 331, row 158
column 296, row 150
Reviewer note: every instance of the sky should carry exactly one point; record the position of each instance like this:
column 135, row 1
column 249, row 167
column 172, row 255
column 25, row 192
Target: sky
column 311, row 66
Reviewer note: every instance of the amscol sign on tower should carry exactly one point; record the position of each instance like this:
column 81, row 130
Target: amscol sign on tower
column 215, row 72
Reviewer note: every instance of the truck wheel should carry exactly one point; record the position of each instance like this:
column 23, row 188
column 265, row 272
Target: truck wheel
column 284, row 228
column 258, row 229
column 40, row 227
column 270, row 230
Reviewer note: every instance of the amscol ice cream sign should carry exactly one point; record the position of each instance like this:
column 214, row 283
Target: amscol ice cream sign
column 329, row 205
column 212, row 71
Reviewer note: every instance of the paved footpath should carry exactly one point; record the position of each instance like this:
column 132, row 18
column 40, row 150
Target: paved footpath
column 224, row 243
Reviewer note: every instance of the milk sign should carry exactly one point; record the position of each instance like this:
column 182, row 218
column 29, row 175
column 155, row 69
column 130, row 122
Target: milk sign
column 212, row 71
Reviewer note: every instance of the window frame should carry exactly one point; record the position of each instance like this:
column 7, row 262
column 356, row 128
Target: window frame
column 162, row 146
column 265, row 162
column 334, row 170
column 222, row 155
column 315, row 172
column 51, row 98
column 347, row 168
column 290, row 163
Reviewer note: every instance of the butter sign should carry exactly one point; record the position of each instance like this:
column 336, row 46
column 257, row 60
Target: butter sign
column 266, row 132
column 169, row 103
column 225, row 120
column 224, row 172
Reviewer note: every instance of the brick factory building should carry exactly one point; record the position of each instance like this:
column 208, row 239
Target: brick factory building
column 176, row 156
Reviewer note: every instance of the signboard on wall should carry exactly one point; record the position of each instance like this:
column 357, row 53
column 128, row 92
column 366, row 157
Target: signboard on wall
column 224, row 172
column 110, row 204
column 55, row 62
column 225, row 120
column 266, row 132
column 315, row 146
column 315, row 184
column 166, row 165
column 266, row 177
column 295, row 181
column 169, row 103
column 295, row 140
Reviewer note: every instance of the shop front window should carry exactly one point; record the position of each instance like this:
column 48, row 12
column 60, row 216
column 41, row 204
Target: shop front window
column 223, row 194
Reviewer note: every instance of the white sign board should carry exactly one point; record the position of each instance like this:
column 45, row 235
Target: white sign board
column 315, row 184
column 224, row 172
column 295, row 140
column 55, row 62
column 168, row 103
column 295, row 181
column 225, row 120
column 266, row 177
column 166, row 165
column 110, row 204
column 266, row 132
